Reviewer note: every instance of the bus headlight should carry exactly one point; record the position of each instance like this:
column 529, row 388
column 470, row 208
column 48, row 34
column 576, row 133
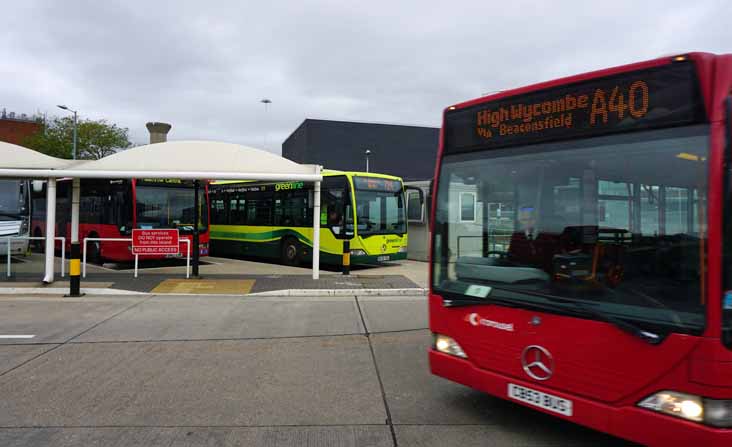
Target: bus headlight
column 681, row 405
column 23, row 227
column 403, row 249
column 358, row 253
column 447, row 345
column 717, row 413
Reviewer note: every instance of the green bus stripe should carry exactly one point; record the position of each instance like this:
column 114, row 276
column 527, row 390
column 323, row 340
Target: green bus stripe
column 264, row 236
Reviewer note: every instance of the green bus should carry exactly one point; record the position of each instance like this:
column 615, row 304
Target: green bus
column 274, row 220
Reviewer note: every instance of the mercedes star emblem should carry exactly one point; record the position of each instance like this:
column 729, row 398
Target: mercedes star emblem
column 537, row 362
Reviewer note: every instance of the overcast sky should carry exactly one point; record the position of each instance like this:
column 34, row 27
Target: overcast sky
column 205, row 68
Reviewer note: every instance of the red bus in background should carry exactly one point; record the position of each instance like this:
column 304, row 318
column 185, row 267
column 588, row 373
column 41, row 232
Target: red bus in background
column 112, row 208
column 593, row 280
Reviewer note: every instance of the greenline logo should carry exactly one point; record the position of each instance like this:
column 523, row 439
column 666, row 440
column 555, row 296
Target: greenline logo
column 289, row 185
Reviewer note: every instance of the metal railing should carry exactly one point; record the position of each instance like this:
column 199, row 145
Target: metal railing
column 37, row 238
column 137, row 256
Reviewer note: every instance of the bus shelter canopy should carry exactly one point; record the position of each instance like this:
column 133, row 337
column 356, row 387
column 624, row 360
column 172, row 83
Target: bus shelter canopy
column 196, row 160
column 13, row 156
column 204, row 160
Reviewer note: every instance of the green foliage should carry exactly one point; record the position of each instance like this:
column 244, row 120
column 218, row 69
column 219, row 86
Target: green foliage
column 95, row 139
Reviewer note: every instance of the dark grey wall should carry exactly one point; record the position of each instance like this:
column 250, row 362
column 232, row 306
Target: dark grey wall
column 297, row 145
column 405, row 151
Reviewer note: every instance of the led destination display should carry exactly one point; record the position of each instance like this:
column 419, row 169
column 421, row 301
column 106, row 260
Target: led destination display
column 657, row 97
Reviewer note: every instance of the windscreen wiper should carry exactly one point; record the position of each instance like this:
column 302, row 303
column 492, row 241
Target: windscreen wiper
column 624, row 325
column 494, row 301
column 461, row 302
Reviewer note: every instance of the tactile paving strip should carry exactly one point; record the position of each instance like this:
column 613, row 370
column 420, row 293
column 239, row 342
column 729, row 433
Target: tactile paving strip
column 205, row 286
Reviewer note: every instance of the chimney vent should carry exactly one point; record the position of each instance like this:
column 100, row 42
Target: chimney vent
column 158, row 132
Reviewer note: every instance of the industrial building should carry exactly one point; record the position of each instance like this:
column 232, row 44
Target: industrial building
column 404, row 151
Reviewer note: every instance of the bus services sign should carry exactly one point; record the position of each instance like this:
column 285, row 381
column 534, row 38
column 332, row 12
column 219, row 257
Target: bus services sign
column 154, row 242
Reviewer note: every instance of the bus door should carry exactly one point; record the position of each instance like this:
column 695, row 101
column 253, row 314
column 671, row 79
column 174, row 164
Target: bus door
column 336, row 212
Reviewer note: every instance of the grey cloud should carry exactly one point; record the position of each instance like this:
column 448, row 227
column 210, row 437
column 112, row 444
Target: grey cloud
column 205, row 67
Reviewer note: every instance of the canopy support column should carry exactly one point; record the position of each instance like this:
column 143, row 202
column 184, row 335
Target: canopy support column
column 50, row 229
column 316, row 231
column 75, row 260
column 196, row 220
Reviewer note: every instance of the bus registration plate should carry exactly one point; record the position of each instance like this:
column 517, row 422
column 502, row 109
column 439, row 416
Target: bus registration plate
column 539, row 399
column 383, row 258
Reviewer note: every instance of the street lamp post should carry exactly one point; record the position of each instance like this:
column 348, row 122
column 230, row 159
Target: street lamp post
column 368, row 152
column 266, row 103
column 73, row 153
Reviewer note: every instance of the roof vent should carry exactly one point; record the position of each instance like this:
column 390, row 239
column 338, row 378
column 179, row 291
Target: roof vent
column 158, row 132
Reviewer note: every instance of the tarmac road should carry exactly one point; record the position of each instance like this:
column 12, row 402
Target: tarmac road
column 243, row 371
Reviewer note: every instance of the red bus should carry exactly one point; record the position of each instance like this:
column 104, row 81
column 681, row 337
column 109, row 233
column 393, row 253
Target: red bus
column 581, row 259
column 112, row 208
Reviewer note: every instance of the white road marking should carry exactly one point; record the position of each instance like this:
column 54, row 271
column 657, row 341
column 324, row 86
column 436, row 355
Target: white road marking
column 17, row 336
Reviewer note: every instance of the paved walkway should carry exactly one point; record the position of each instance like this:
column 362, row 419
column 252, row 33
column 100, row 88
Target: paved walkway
column 224, row 276
column 243, row 371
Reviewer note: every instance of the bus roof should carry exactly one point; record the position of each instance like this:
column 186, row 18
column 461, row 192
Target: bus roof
column 580, row 77
column 330, row 172
column 326, row 173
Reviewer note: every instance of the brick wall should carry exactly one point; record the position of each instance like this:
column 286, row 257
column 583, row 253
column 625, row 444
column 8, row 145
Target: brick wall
column 15, row 131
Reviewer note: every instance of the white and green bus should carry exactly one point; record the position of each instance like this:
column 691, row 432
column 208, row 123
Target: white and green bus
column 274, row 220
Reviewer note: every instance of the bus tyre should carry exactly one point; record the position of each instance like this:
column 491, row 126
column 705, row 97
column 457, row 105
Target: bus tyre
column 290, row 251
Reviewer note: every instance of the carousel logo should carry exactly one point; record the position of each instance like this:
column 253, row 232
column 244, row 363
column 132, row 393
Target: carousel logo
column 475, row 320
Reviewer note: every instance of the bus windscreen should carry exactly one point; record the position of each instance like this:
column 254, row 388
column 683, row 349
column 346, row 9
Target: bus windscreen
column 379, row 206
column 598, row 220
column 169, row 207
column 11, row 201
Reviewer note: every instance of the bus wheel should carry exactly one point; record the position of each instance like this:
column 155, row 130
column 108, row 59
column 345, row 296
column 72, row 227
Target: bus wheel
column 290, row 251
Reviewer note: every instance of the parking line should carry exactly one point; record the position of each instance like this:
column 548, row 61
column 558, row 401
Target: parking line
column 16, row 336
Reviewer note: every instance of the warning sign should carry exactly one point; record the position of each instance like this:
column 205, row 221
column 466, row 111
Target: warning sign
column 154, row 242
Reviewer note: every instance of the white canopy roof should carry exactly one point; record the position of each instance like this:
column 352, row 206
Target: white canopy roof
column 13, row 156
column 180, row 159
column 202, row 160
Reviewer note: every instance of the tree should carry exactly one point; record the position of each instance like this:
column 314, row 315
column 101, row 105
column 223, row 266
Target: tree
column 95, row 139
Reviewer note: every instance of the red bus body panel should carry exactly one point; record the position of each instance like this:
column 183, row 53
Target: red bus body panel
column 620, row 419
column 602, row 370
column 122, row 251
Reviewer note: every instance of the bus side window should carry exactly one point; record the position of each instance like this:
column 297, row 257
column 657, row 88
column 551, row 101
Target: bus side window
column 234, row 210
column 294, row 209
column 218, row 213
column 262, row 211
column 278, row 216
column 119, row 211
